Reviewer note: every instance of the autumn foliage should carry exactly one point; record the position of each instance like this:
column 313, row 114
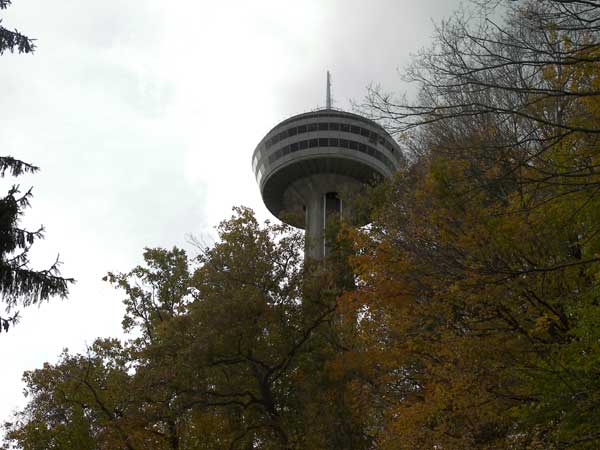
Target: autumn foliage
column 480, row 271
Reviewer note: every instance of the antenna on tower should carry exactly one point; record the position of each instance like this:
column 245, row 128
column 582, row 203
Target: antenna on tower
column 328, row 98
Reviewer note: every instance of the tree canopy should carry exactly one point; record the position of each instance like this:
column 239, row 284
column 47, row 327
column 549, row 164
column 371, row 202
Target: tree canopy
column 481, row 268
column 224, row 354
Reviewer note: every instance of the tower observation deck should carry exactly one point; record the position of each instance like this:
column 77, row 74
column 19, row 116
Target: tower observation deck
column 306, row 164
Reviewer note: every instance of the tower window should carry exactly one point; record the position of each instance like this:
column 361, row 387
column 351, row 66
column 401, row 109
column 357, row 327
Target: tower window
column 333, row 205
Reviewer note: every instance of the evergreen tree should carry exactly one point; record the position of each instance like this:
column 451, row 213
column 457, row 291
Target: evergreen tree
column 19, row 284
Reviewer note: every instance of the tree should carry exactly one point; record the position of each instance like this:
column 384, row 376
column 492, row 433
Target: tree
column 479, row 275
column 531, row 84
column 234, row 349
column 19, row 284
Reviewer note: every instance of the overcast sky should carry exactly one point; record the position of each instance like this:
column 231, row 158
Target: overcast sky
column 143, row 116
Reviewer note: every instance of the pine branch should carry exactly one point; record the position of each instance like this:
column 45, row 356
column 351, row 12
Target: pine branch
column 30, row 286
column 13, row 39
column 6, row 322
column 14, row 166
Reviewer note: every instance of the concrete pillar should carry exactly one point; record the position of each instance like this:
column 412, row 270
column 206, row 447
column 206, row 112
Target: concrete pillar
column 315, row 225
column 320, row 208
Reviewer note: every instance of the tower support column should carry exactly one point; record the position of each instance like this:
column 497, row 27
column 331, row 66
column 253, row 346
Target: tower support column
column 315, row 226
column 321, row 207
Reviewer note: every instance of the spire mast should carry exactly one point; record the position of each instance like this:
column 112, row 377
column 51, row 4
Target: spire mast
column 328, row 98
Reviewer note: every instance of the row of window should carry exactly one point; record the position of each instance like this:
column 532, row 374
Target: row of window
column 322, row 114
column 331, row 142
column 332, row 126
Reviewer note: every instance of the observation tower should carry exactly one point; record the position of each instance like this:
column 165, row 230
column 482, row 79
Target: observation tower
column 308, row 163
